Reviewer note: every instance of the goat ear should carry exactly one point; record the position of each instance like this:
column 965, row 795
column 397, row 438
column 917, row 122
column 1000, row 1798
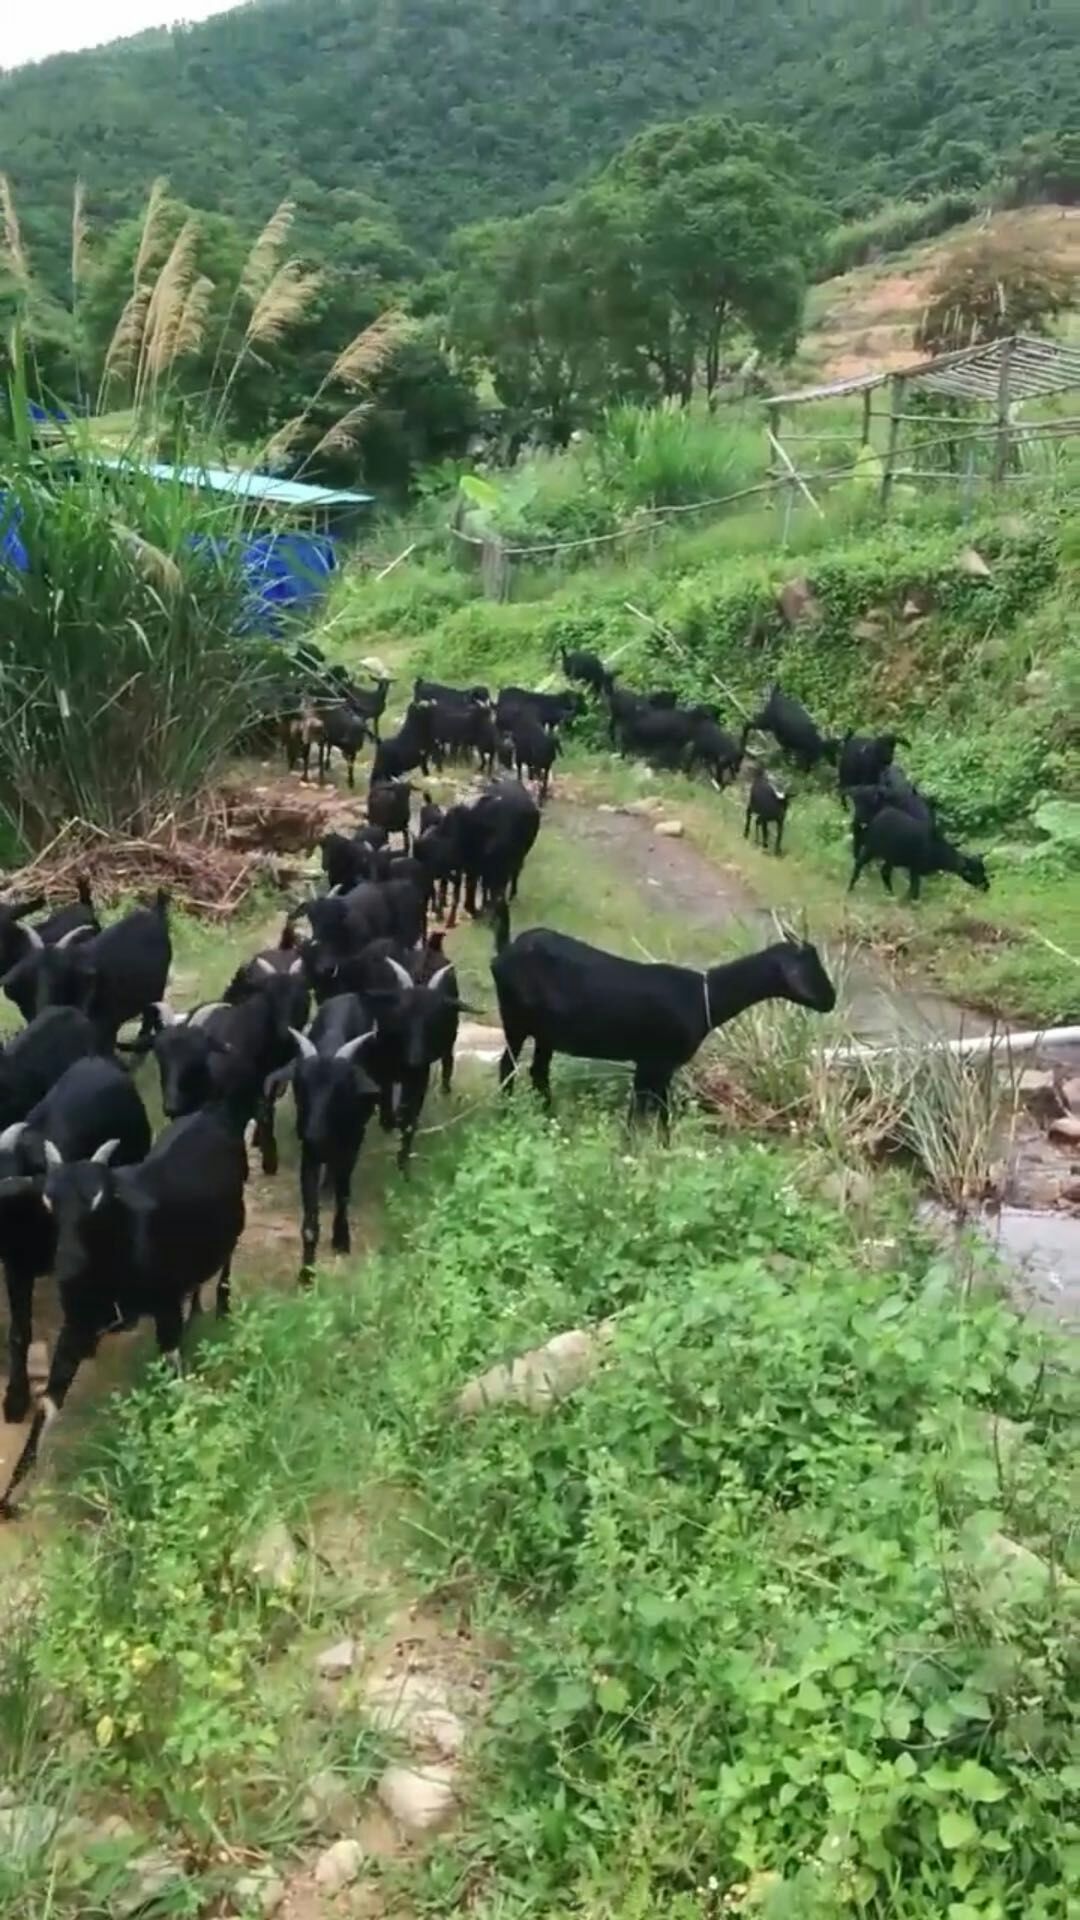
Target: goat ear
column 405, row 980
column 11, row 1134
column 103, row 1154
column 305, row 1047
column 76, row 934
column 352, row 1047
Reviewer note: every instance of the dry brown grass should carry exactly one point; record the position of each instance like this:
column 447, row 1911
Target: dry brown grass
column 14, row 251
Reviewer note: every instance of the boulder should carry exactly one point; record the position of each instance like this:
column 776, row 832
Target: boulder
column 25, row 1829
column 420, row 1799
column 542, row 1376
column 670, row 829
column 336, row 1661
column 1039, row 1090
column 339, row 1866
column 327, row 1802
column 261, row 1893
column 797, row 602
column 272, row 1559
column 149, row 1877
column 1066, row 1130
column 972, row 562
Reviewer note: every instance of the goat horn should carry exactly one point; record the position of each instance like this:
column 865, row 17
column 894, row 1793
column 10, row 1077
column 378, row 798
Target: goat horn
column 167, row 1015
column 202, row 1014
column 103, row 1154
column 34, row 938
column 437, row 978
column 297, row 967
column 53, row 1155
column 77, row 933
column 352, row 1047
column 264, row 965
column 11, row 1134
column 308, row 1049
column 405, row 980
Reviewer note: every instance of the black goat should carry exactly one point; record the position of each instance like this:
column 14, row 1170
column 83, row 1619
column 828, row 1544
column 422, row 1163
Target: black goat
column 441, row 851
column 16, row 940
column 34, row 1060
column 411, row 746
column 716, row 750
column 551, row 709
column 766, row 806
column 335, row 1099
column 863, row 758
column 134, row 1242
column 417, row 1029
column 94, row 1102
column 346, row 861
column 345, row 730
column 793, row 729
column 896, row 840
column 219, row 1057
column 114, row 976
column 430, row 813
column 457, row 731
column 535, row 750
column 499, row 832
column 433, row 690
column 370, row 704
column 285, row 958
column 586, row 667
column 389, row 804
column 569, row 997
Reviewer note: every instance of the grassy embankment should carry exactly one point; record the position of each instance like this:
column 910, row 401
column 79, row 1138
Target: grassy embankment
column 982, row 674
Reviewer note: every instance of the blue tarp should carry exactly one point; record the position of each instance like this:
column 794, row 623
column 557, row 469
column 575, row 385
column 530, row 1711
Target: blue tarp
column 12, row 551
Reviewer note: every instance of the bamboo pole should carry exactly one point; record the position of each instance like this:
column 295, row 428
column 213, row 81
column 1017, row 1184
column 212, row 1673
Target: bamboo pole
column 1001, row 451
column 898, row 385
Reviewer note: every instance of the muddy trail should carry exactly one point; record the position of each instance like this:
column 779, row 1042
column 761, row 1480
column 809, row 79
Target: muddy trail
column 696, row 897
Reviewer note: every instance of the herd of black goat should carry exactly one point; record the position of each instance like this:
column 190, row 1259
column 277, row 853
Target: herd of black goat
column 356, row 1013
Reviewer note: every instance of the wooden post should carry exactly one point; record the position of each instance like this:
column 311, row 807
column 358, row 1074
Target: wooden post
column 899, row 385
column 775, row 416
column 866, row 413
column 1001, row 447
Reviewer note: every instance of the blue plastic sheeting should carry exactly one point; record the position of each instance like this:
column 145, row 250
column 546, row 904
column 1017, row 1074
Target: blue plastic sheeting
column 286, row 574
column 246, row 485
column 12, row 551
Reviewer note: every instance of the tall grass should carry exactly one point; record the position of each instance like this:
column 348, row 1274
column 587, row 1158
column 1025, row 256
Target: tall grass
column 671, row 456
column 122, row 684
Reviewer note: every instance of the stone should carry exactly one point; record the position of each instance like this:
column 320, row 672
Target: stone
column 1038, row 683
column 867, row 630
column 272, row 1559
column 25, row 1829
column 336, row 1661
column 1066, row 1130
column 260, row 1893
column 641, row 809
column 846, row 1187
column 477, row 1042
column 1070, row 1093
column 670, row 829
column 1012, row 1572
column 1039, row 1089
column 394, row 1701
column 542, row 1376
column 151, row 1875
column 606, row 807
column 420, row 1799
column 797, row 602
column 339, row 1866
column 439, row 1731
column 113, row 1830
column 327, row 1802
column 972, row 562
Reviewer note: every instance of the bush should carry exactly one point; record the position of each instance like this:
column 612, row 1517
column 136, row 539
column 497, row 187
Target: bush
column 898, row 224
column 123, row 682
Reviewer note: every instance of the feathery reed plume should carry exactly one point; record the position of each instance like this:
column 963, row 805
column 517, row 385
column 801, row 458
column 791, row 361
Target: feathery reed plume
column 284, row 440
column 155, row 207
column 79, row 233
column 166, row 305
column 371, row 349
column 14, row 250
column 122, row 353
column 155, row 565
column 259, row 267
column 191, row 325
column 344, row 435
column 283, row 301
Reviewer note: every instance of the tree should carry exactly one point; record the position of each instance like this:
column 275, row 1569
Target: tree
column 992, row 288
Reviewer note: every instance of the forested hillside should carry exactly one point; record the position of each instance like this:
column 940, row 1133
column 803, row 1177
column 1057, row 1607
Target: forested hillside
column 448, row 114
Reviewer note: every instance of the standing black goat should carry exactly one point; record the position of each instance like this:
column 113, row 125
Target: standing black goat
column 335, row 1099
column 766, row 806
column 896, row 840
column 793, row 729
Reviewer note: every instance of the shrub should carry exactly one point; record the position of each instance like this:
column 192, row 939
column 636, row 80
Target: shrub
column 890, row 228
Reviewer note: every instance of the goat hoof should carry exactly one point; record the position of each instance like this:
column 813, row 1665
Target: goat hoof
column 7, row 1511
column 306, row 1277
column 340, row 1240
column 270, row 1160
column 16, row 1405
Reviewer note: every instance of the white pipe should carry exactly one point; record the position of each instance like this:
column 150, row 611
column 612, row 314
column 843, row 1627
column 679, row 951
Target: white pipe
column 978, row 1047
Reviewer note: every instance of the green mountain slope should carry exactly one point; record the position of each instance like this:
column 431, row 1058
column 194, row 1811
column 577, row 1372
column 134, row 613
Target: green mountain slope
column 451, row 113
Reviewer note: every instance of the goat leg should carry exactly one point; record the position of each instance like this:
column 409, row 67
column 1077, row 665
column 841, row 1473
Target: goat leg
column 309, row 1215
column 74, row 1345
column 20, row 1290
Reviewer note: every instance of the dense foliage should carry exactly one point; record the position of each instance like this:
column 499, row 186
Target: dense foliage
column 447, row 118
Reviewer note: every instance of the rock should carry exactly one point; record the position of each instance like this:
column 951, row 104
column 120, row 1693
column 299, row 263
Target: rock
column 1066, row 1130
column 1005, row 1437
column 476, row 1042
column 394, row 1701
column 606, row 807
column 419, row 1799
column 797, row 602
column 846, row 1187
column 1012, row 1572
column 641, row 809
column 339, row 1866
column 327, row 1802
column 335, row 1662
column 1038, row 683
column 1040, row 1091
column 151, row 1875
column 259, row 1893
column 972, row 562
column 1070, row 1093
column 867, row 630
column 113, row 1830
column 1069, row 1194
column 670, row 829
column 25, row 1829
column 272, row 1559
column 543, row 1375
column 439, row 1731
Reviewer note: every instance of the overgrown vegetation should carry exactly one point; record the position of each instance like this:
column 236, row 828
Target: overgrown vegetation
column 765, row 1644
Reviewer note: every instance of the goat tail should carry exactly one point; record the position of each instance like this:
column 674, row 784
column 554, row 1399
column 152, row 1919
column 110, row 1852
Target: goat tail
column 82, row 888
column 161, row 901
column 500, row 920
